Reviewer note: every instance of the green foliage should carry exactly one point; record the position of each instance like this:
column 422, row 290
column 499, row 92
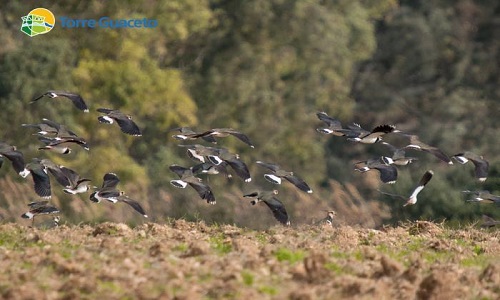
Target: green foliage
column 284, row 254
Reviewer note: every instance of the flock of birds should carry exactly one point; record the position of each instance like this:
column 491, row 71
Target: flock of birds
column 57, row 138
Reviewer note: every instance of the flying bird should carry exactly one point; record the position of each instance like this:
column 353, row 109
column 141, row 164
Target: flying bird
column 199, row 152
column 276, row 206
column 398, row 156
column 482, row 197
column 481, row 166
column 124, row 121
column 39, row 208
column 77, row 184
column 41, row 179
column 187, row 178
column 416, row 144
column 224, row 132
column 279, row 173
column 186, row 133
column 210, row 168
column 388, row 173
column 75, row 98
column 15, row 156
column 109, row 192
column 334, row 125
column 239, row 167
column 413, row 197
column 356, row 133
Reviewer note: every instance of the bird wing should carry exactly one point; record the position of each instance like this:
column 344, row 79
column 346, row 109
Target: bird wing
column 180, row 171
column 110, row 180
column 134, row 204
column 16, row 157
column 388, row 174
column 272, row 167
column 392, row 195
column 278, row 210
column 128, row 126
column 299, row 182
column 241, row 136
column 331, row 122
column 240, row 168
column 204, row 191
column 421, row 184
column 481, row 167
column 76, row 99
column 41, row 182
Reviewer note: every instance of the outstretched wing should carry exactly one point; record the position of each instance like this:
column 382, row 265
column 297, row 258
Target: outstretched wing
column 278, row 210
column 134, row 204
column 300, row 183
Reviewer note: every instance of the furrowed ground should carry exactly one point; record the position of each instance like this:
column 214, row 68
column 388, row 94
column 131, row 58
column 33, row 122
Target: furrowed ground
column 186, row 260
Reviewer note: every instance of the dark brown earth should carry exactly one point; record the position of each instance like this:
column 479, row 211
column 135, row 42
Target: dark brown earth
column 185, row 260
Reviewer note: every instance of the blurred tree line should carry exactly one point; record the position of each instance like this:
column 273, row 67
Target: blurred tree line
column 264, row 67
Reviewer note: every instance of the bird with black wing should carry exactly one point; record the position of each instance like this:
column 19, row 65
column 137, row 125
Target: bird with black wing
column 124, row 121
column 275, row 205
column 75, row 98
column 279, row 173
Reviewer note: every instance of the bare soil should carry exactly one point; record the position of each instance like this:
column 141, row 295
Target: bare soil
column 190, row 260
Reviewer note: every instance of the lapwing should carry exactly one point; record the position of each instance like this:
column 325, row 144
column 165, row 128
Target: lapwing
column 199, row 152
column 357, row 134
column 224, row 132
column 40, row 178
column 334, row 125
column 279, row 173
column 109, row 192
column 39, row 208
column 413, row 197
column 15, row 156
column 211, row 169
column 481, row 166
column 124, row 121
column 58, row 144
column 482, row 197
column 488, row 221
column 43, row 128
column 77, row 184
column 75, row 98
column 388, row 173
column 186, row 133
column 55, row 171
column 276, row 206
column 187, row 178
column 328, row 220
column 239, row 167
column 398, row 156
column 416, row 144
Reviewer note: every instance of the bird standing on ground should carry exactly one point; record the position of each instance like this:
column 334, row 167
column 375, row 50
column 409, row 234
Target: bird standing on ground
column 276, row 206
column 124, row 121
column 481, row 166
column 75, row 98
column 413, row 197
column 279, row 173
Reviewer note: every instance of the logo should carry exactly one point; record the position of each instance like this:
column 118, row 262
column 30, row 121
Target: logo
column 38, row 21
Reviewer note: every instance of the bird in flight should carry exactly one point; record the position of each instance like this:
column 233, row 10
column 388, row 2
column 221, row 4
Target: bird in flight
column 75, row 98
